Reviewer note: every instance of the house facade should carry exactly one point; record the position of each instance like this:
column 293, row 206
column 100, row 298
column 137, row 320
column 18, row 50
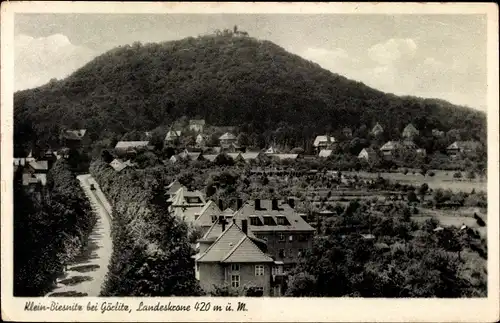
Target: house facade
column 323, row 142
column 172, row 137
column 235, row 260
column 410, row 132
column 463, row 147
column 284, row 231
column 197, row 125
column 227, row 139
column 368, row 154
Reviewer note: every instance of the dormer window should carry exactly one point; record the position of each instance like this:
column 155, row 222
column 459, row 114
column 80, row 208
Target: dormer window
column 193, row 200
column 255, row 220
column 281, row 220
column 268, row 220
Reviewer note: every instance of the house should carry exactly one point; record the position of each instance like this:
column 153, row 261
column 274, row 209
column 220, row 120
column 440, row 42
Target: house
column 74, row 138
column 197, row 125
column 118, row 165
column 236, row 157
column 437, row 133
column 391, row 149
column 172, row 137
column 186, row 205
column 130, row 146
column 234, row 259
column 463, row 147
column 421, row 152
column 208, row 215
column 201, row 140
column 377, row 130
column 323, row 142
column 347, row 132
column 172, row 188
column 248, row 156
column 233, row 148
column 325, row 153
column 227, row 140
column 284, row 156
column 367, row 154
column 210, row 157
column 271, row 150
column 410, row 132
column 287, row 235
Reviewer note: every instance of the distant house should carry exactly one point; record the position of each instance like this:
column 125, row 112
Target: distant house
column 347, row 132
column 248, row 156
column 410, row 132
column 197, row 125
column 284, row 156
column 74, row 138
column 463, row 147
column 391, row 148
column 227, row 139
column 172, row 137
column 271, row 150
column 186, row 205
column 33, row 180
column 130, row 147
column 437, row 133
column 325, row 153
column 201, row 140
column 421, row 152
column 368, row 154
column 117, row 165
column 377, row 130
column 234, row 259
column 210, row 157
column 323, row 142
column 236, row 156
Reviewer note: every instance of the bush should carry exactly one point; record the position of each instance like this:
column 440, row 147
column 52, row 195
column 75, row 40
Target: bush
column 457, row 175
column 431, row 174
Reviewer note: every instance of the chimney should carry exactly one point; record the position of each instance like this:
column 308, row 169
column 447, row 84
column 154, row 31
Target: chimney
column 244, row 226
column 275, row 205
column 291, row 202
column 239, row 204
column 221, row 205
column 257, row 205
column 223, row 222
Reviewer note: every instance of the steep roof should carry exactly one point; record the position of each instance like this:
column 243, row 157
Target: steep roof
column 173, row 134
column 227, row 136
column 325, row 153
column 234, row 246
column 234, row 156
column 173, row 187
column 130, row 144
column 210, row 157
column 284, row 156
column 410, row 130
column 465, row 145
column 39, row 165
column 294, row 221
column 207, row 212
column 323, row 139
column 250, row 155
column 369, row 151
column 194, row 155
column 391, row 145
column 377, row 129
column 182, row 195
column 271, row 150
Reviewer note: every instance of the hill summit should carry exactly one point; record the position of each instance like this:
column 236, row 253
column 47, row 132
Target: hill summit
column 227, row 80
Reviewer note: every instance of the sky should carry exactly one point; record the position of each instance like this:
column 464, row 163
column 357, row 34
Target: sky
column 435, row 56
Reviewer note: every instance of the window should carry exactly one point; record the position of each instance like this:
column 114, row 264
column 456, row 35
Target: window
column 281, row 253
column 277, row 270
column 235, row 267
column 290, row 238
column 259, row 270
column 281, row 220
column 235, row 281
column 254, row 220
column 193, row 199
column 282, row 237
column 268, row 220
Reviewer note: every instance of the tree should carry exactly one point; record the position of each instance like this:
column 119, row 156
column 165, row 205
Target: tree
column 301, row 285
column 457, row 175
column 471, row 175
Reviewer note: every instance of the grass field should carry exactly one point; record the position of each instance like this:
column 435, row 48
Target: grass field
column 442, row 179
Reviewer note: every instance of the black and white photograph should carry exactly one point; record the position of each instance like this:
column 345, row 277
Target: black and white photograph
column 255, row 156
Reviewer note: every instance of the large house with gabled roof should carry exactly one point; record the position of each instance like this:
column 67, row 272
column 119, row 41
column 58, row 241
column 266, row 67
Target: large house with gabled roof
column 323, row 142
column 410, row 132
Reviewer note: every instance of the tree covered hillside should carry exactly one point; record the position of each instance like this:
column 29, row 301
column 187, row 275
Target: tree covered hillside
column 227, row 80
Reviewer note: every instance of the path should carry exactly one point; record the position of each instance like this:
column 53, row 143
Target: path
column 86, row 273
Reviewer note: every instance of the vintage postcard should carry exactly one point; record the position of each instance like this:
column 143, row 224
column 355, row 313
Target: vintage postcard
column 249, row 162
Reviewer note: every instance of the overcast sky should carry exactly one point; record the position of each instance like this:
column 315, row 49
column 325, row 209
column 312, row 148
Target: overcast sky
column 439, row 56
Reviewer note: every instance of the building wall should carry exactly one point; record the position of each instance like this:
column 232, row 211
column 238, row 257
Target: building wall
column 211, row 274
column 291, row 248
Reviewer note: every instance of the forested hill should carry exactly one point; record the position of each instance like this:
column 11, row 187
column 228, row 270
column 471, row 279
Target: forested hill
column 227, row 80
